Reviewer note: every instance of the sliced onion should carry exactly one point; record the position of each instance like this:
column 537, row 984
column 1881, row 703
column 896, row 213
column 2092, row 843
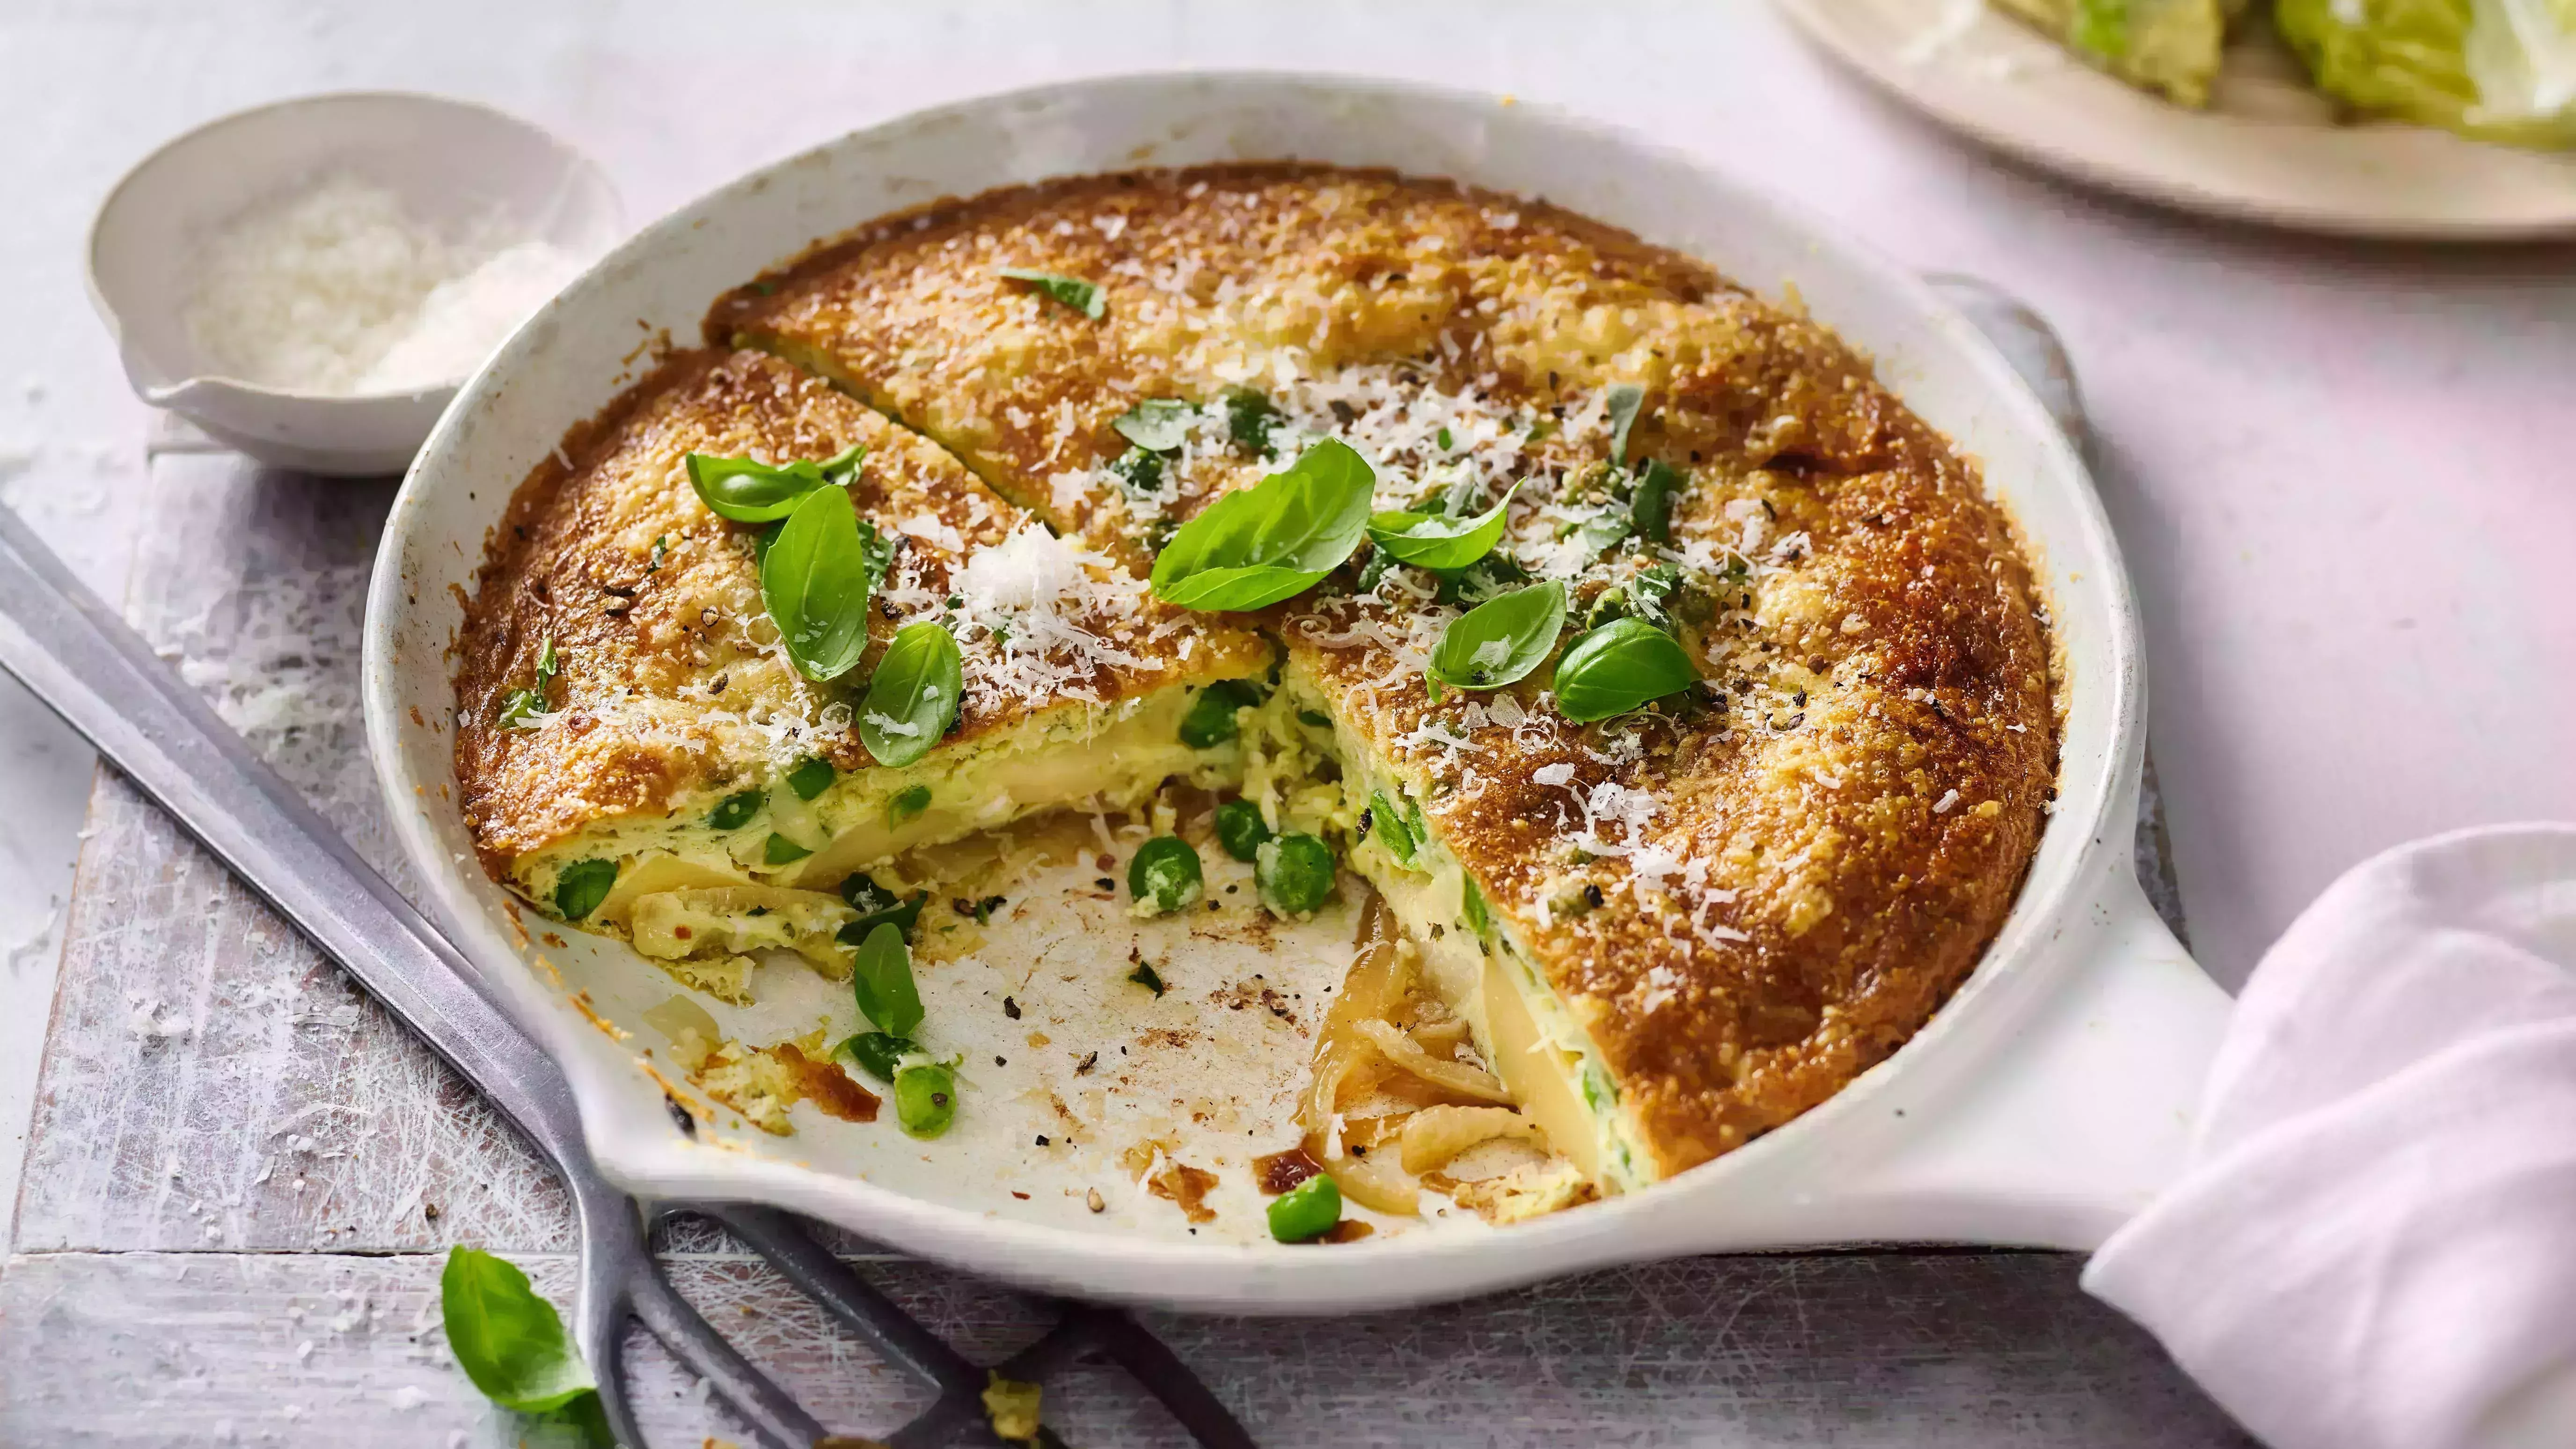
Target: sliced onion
column 1374, row 1182
column 1408, row 1054
column 1435, row 1135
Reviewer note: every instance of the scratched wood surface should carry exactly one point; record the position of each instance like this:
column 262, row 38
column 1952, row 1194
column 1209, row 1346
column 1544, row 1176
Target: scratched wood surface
column 242, row 1174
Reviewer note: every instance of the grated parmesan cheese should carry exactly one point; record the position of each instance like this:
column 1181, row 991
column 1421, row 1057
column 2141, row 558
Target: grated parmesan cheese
column 338, row 289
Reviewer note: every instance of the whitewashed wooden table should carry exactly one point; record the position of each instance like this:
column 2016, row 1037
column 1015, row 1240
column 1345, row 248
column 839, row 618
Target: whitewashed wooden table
column 242, row 1178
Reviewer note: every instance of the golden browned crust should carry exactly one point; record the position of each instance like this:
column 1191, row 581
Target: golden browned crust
column 1837, row 842
column 671, row 685
column 1215, row 277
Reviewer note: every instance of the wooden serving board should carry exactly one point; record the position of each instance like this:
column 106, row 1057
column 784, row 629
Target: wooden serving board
column 242, row 1178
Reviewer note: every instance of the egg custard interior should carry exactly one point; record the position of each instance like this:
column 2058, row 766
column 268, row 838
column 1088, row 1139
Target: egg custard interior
column 1686, row 716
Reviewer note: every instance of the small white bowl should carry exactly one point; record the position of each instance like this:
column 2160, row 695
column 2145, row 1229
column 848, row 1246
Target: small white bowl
column 452, row 162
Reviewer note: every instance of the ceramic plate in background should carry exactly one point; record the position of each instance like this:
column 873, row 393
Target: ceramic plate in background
column 2268, row 150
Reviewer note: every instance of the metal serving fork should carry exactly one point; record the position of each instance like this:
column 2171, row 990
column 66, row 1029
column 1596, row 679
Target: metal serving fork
column 77, row 656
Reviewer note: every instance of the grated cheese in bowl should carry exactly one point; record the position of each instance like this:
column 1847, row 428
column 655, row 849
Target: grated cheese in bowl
column 338, row 289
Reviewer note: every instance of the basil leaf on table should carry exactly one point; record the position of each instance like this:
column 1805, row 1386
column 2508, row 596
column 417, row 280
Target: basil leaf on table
column 1500, row 640
column 509, row 1341
column 1083, row 297
column 816, row 578
column 1157, row 425
column 1437, row 541
column 913, row 694
column 1273, row 540
column 747, row 490
column 1625, row 399
column 1619, row 667
column 882, row 979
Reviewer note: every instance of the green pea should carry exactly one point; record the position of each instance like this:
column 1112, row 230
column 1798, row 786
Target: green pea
column 782, row 851
column 880, row 1054
column 1164, row 875
column 812, row 776
column 1307, row 1211
column 1240, row 828
column 584, row 884
column 925, row 1099
column 734, row 812
column 1211, row 721
column 1294, row 874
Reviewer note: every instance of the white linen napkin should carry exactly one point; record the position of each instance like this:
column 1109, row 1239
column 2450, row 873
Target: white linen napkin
column 2375, row 1245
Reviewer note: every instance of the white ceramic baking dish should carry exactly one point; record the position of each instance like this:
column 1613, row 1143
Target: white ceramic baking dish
column 2043, row 1104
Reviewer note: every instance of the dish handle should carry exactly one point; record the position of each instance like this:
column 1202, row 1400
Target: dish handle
column 2083, row 1113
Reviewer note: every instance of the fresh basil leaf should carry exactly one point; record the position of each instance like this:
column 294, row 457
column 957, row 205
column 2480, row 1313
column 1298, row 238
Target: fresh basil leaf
column 509, row 1341
column 519, row 710
column 1492, row 576
column 1625, row 399
column 1140, row 477
column 1083, row 297
column 1618, row 667
column 1500, row 640
column 1650, row 594
column 1650, row 506
column 812, row 776
column 1438, row 542
column 877, row 1053
column 913, row 694
column 877, row 906
column 1602, row 532
column 581, row 886
column 816, row 579
column 1158, row 424
column 747, row 490
column 1249, row 418
column 882, row 979
column 1146, row 976
column 1274, row 540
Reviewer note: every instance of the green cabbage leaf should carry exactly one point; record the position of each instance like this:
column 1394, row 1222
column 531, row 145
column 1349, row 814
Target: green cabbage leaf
column 2496, row 70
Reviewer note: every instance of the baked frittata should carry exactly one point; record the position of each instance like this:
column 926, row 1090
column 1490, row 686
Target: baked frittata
column 1689, row 709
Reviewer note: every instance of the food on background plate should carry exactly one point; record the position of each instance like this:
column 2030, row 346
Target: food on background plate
column 2497, row 70
column 1679, row 697
column 2167, row 46
column 2494, row 70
